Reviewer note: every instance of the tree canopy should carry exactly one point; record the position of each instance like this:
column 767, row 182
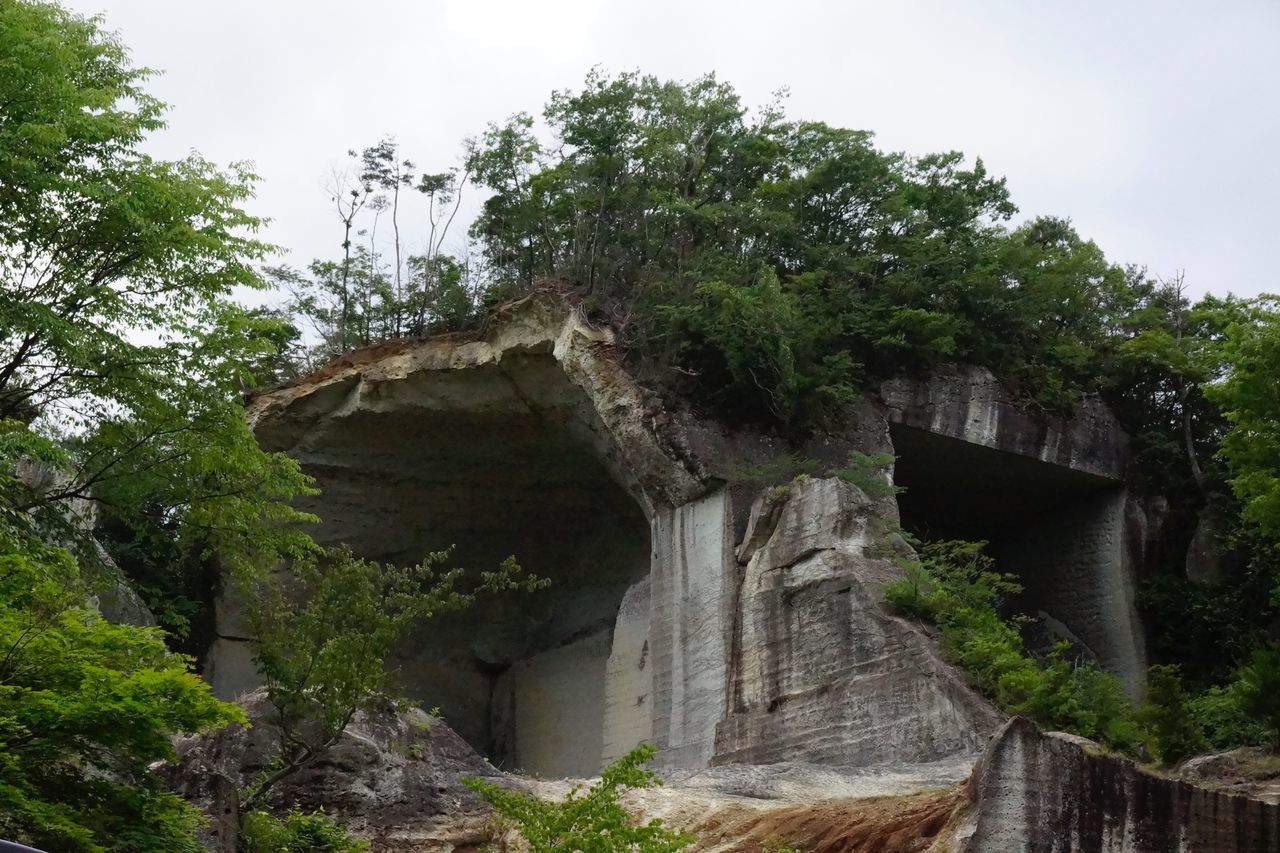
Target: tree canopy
column 122, row 361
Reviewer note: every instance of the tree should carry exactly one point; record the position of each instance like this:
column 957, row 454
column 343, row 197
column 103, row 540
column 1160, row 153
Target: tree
column 115, row 270
column 85, row 706
column 683, row 217
column 1250, row 399
column 323, row 636
column 122, row 362
column 587, row 822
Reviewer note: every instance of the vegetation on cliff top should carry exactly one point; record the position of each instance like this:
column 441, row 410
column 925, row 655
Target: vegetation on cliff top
column 774, row 267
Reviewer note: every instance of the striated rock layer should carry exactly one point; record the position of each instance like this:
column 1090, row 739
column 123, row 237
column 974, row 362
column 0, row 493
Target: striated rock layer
column 821, row 671
column 1054, row 793
column 689, row 606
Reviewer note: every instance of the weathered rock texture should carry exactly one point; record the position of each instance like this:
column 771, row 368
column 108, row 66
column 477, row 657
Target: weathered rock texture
column 393, row 777
column 1050, row 793
column 1046, row 493
column 821, row 671
column 683, row 610
column 529, row 441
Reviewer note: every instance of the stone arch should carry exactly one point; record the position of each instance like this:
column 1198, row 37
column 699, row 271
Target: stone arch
column 527, row 440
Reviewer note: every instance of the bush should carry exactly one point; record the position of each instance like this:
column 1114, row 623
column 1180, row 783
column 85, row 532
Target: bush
column 955, row 586
column 870, row 472
column 593, row 820
column 1220, row 715
column 1172, row 730
column 1257, row 687
column 296, row 833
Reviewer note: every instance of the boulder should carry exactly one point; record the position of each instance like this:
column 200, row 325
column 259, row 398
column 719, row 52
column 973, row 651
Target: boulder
column 392, row 777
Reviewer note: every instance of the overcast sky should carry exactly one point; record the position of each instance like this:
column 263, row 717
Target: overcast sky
column 1154, row 126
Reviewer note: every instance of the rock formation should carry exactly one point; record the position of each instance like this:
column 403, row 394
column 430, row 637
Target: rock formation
column 393, row 777
column 1055, row 793
column 678, row 613
column 727, row 623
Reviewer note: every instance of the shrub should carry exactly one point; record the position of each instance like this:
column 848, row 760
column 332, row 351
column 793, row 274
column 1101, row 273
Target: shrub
column 593, row 820
column 1173, row 733
column 1219, row 714
column 260, row 832
column 1257, row 687
column 955, row 586
column 870, row 472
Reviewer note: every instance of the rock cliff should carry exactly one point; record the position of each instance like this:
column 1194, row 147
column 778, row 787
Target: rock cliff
column 1055, row 793
column 729, row 624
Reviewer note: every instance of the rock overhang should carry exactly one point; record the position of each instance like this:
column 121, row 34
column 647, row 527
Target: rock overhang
column 530, row 435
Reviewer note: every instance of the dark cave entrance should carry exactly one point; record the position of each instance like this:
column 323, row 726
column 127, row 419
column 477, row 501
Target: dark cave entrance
column 1058, row 529
column 496, row 460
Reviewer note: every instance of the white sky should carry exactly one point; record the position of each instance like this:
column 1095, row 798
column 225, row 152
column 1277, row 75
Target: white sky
column 1154, row 126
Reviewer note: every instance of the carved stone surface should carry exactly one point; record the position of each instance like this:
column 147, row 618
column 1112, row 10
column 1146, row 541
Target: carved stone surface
column 822, row 672
column 679, row 612
column 1037, row 792
column 969, row 403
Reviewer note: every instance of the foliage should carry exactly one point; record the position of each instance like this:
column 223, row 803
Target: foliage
column 1219, row 713
column 116, row 329
column 85, row 707
column 364, row 297
column 587, row 822
column 955, row 586
column 122, row 364
column 870, row 472
column 296, row 833
column 1173, row 731
column 1241, row 712
column 323, row 636
column 782, row 264
column 776, row 471
column 1250, row 399
column 1257, row 687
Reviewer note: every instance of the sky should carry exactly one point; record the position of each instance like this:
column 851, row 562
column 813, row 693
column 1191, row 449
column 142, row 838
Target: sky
column 1153, row 126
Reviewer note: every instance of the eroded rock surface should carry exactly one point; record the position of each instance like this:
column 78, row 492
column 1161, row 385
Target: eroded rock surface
column 393, row 777
column 683, row 611
column 1038, row 793
column 822, row 672
column 970, row 404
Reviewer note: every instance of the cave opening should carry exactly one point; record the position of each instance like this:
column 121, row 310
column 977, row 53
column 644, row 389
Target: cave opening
column 502, row 459
column 1059, row 530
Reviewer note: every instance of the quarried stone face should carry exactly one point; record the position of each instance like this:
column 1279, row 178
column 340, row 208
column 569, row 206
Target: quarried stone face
column 525, row 444
column 672, row 617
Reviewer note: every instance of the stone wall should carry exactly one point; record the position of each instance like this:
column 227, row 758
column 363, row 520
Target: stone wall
column 628, row 687
column 970, row 404
column 1075, row 566
column 1046, row 494
column 690, row 624
column 822, row 672
column 1048, row 793
column 556, row 705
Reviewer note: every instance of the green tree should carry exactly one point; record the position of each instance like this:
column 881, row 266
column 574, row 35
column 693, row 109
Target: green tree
column 1250, row 400
column 323, row 634
column 85, row 706
column 684, row 218
column 1172, row 729
column 122, row 362
column 590, row 821
column 116, row 328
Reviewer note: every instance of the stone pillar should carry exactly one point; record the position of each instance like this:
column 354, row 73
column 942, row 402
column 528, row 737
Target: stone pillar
column 690, row 628
column 1075, row 566
column 628, row 686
